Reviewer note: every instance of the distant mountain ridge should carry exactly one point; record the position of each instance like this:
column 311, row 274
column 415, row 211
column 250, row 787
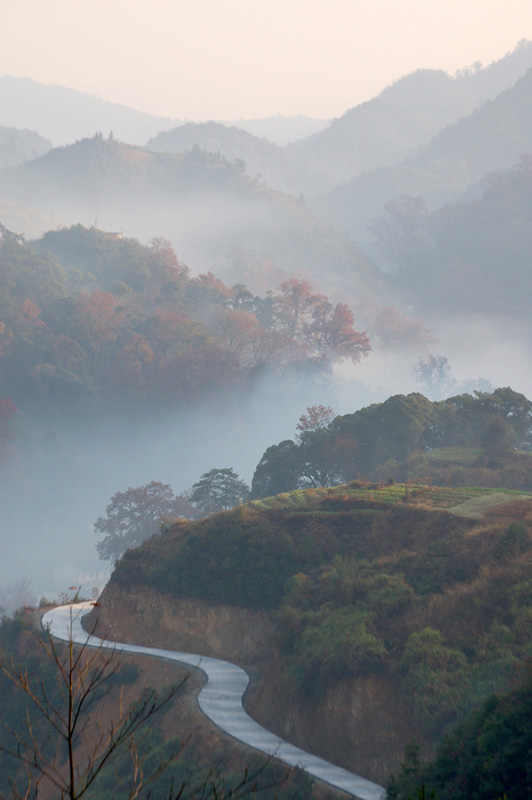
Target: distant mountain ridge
column 405, row 116
column 17, row 146
column 494, row 136
column 277, row 167
column 375, row 134
column 65, row 115
column 279, row 129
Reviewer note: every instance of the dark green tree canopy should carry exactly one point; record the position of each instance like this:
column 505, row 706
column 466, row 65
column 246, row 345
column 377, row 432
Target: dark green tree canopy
column 277, row 471
column 218, row 490
column 392, row 432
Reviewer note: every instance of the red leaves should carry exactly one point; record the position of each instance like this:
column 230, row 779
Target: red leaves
column 173, row 338
column 32, row 313
column 326, row 330
column 98, row 318
column 317, row 418
column 163, row 251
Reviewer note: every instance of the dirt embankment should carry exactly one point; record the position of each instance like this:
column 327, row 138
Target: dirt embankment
column 360, row 724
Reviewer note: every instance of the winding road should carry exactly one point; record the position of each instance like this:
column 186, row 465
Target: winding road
column 220, row 700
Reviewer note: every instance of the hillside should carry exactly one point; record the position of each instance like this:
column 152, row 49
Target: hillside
column 276, row 166
column 17, row 146
column 487, row 756
column 350, row 605
column 483, row 439
column 406, row 115
column 279, row 129
column 374, row 134
column 202, row 202
column 492, row 137
column 113, row 357
column 65, row 115
column 384, row 130
column 467, row 257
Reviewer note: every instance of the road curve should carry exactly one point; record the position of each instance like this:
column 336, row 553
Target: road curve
column 220, row 700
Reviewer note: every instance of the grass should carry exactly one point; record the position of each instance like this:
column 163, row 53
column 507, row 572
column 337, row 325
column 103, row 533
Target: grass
column 436, row 497
column 462, row 455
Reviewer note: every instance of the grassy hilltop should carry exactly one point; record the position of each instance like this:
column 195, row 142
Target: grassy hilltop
column 429, row 588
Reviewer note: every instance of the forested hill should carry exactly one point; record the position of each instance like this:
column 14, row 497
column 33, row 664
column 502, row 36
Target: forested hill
column 365, row 586
column 17, row 146
column 204, row 203
column 260, row 157
column 464, row 257
column 492, row 137
column 484, row 439
column 91, row 320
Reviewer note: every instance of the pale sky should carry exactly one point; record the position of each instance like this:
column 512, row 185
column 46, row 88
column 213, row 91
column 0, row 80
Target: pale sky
column 226, row 59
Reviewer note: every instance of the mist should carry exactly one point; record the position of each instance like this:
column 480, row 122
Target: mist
column 221, row 219
column 78, row 469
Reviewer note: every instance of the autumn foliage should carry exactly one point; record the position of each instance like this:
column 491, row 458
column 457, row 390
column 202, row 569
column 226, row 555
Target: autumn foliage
column 119, row 322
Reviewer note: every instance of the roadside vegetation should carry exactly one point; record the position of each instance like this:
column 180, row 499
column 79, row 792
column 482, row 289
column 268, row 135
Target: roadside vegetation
column 123, row 740
column 487, row 756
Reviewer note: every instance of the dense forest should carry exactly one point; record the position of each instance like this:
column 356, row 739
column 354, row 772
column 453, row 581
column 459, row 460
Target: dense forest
column 464, row 257
column 486, row 756
column 91, row 320
column 102, row 336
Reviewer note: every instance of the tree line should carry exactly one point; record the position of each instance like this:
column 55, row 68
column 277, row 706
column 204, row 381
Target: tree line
column 386, row 441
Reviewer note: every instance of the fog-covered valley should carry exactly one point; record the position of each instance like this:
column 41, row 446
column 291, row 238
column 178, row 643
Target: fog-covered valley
column 266, row 395
column 420, row 279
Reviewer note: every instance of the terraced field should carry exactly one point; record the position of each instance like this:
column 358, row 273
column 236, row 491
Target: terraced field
column 470, row 501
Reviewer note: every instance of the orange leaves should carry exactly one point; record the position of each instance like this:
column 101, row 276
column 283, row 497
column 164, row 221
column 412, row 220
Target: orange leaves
column 162, row 333
column 163, row 251
column 32, row 313
column 132, row 362
column 98, row 318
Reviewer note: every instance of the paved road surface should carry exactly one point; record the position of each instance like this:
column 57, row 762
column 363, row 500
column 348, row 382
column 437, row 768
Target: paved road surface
column 221, row 701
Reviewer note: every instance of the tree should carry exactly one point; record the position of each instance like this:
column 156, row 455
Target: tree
column 513, row 407
column 218, row 490
column 499, row 437
column 434, row 373
column 82, row 740
column 62, row 712
column 318, row 462
column 278, row 470
column 322, row 333
column 401, row 234
column 317, row 418
column 162, row 249
column 98, row 322
column 134, row 516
